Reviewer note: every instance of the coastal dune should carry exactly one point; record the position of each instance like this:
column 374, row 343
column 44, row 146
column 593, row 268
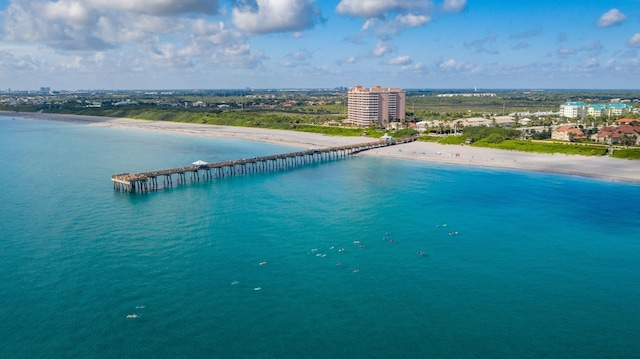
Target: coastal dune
column 599, row 167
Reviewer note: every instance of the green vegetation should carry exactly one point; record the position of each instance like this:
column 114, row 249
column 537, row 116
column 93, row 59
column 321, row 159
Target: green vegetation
column 508, row 139
column 627, row 153
column 322, row 111
column 490, row 134
column 547, row 147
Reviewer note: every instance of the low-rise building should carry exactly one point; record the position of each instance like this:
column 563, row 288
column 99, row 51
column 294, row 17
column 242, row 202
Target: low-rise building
column 567, row 133
column 628, row 134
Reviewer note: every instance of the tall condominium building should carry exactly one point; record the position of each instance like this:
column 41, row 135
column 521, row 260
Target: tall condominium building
column 376, row 105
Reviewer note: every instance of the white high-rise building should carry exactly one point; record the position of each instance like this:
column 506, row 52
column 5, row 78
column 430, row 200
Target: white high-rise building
column 376, row 105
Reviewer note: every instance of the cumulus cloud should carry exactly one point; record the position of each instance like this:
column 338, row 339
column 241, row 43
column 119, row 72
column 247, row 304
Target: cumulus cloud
column 611, row 18
column 454, row 5
column 95, row 24
column 565, row 51
column 158, row 7
column 10, row 63
column 591, row 64
column 297, row 58
column 347, row 60
column 411, row 20
column 268, row 16
column 378, row 8
column 401, row 60
column 452, row 65
column 162, row 31
column 382, row 47
column 389, row 16
column 634, row 41
column 416, row 68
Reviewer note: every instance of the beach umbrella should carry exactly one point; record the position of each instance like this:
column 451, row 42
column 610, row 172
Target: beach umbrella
column 199, row 163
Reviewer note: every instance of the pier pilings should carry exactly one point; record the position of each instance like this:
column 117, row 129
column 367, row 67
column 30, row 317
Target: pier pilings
column 148, row 181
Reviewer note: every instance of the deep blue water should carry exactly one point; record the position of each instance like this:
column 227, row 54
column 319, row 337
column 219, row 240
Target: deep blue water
column 542, row 265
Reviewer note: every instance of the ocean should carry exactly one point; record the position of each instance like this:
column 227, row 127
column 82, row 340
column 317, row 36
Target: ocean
column 356, row 258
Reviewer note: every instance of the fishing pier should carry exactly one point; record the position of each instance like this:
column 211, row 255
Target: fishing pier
column 200, row 170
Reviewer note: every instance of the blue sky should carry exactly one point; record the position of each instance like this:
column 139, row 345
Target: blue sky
column 210, row 44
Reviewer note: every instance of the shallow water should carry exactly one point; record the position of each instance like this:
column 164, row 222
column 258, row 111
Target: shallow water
column 541, row 265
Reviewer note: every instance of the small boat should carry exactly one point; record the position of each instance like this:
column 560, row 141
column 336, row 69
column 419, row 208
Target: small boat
column 257, row 288
column 263, row 263
column 139, row 306
column 234, row 282
column 132, row 316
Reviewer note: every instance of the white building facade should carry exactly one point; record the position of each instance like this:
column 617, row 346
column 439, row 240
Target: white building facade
column 572, row 109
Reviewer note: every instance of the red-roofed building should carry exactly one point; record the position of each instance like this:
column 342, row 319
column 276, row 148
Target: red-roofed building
column 567, row 133
column 627, row 121
column 618, row 134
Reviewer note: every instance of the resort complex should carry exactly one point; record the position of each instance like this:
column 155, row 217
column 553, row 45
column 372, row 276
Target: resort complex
column 580, row 109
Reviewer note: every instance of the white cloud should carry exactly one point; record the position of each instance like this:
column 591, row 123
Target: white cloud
column 400, row 60
column 411, row 20
column 611, row 18
column 158, row 7
column 634, row 41
column 368, row 9
column 158, row 30
column 454, row 5
column 267, row 16
column 297, row 58
column 95, row 24
column 347, row 60
column 388, row 16
column 417, row 68
column 591, row 64
column 452, row 65
column 565, row 51
column 10, row 63
column 382, row 47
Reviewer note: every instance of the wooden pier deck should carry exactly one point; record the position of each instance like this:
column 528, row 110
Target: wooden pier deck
column 148, row 181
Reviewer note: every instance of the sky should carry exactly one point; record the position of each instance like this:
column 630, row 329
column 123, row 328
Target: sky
column 232, row 44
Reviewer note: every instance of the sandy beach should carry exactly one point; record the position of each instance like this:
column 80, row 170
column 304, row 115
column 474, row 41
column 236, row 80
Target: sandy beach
column 599, row 167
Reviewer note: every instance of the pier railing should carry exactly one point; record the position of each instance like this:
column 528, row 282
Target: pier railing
column 148, row 181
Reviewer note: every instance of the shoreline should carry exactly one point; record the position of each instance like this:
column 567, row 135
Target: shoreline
column 595, row 167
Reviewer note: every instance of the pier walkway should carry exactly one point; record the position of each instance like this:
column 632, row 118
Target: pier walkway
column 148, row 181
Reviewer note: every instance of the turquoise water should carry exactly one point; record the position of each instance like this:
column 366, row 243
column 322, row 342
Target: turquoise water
column 542, row 265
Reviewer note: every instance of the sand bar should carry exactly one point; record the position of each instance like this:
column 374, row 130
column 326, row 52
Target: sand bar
column 599, row 167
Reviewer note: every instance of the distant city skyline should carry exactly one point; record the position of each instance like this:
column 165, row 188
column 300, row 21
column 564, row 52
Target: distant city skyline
column 216, row 44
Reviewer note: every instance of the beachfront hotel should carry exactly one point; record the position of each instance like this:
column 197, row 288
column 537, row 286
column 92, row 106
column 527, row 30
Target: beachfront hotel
column 376, row 105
